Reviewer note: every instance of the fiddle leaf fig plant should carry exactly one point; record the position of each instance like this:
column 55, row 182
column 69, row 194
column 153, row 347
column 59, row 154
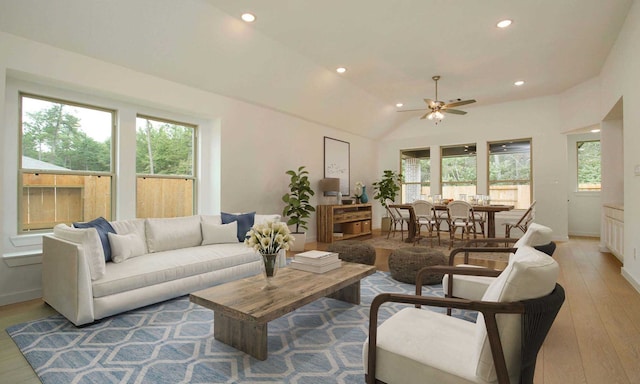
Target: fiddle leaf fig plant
column 388, row 187
column 298, row 208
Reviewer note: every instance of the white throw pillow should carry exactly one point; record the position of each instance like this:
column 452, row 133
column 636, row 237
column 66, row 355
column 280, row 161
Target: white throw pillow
column 125, row 227
column 173, row 233
column 530, row 274
column 90, row 246
column 219, row 233
column 126, row 246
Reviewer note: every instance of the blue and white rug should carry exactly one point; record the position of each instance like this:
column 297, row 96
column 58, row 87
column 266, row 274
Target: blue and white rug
column 172, row 342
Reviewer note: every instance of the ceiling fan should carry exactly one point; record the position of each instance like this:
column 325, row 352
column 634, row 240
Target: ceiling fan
column 437, row 109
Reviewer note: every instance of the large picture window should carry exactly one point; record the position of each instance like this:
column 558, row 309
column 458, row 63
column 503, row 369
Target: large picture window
column 65, row 164
column 510, row 172
column 165, row 168
column 589, row 166
column 458, row 171
column 416, row 172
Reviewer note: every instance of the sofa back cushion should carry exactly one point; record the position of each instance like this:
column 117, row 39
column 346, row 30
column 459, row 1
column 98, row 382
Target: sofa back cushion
column 126, row 227
column 245, row 222
column 103, row 227
column 173, row 233
column 89, row 246
column 530, row 274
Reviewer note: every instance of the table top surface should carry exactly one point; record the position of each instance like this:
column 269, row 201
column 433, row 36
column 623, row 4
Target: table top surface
column 479, row 208
column 245, row 300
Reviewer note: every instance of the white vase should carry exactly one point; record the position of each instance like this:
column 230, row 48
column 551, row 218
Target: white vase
column 300, row 240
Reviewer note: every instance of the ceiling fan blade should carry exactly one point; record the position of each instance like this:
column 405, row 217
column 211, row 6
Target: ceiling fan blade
column 459, row 103
column 425, row 116
column 411, row 110
column 454, row 111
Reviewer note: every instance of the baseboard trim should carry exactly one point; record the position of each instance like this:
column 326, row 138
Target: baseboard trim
column 634, row 283
column 18, row 297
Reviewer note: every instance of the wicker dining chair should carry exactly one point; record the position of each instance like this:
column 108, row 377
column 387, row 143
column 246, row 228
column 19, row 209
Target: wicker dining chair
column 460, row 215
column 426, row 217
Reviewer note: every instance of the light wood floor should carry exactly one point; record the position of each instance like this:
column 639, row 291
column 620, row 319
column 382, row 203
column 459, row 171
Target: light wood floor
column 595, row 338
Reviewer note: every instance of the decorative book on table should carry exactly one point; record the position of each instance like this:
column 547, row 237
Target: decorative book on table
column 316, row 261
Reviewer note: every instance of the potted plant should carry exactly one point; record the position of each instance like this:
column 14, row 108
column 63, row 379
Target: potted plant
column 387, row 188
column 298, row 208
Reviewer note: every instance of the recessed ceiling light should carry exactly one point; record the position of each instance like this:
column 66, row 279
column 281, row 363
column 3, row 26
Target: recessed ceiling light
column 518, row 83
column 504, row 23
column 595, row 130
column 341, row 69
column 248, row 17
column 399, row 105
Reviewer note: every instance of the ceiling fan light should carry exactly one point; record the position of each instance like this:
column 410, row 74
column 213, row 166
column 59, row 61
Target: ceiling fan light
column 430, row 115
column 438, row 115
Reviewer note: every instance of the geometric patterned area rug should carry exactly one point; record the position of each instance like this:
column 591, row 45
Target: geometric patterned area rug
column 172, row 342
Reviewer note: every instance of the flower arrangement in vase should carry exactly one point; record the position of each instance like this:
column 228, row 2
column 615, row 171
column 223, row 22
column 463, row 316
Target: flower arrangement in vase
column 269, row 239
column 360, row 192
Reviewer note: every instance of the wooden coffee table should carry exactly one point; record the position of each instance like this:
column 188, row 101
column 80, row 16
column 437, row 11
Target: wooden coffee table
column 241, row 309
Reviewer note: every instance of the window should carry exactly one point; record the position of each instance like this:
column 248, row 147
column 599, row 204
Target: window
column 165, row 168
column 416, row 172
column 589, row 172
column 510, row 173
column 458, row 171
column 66, row 162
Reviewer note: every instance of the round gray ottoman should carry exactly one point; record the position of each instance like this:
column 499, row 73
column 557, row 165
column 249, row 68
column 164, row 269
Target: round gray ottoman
column 404, row 264
column 354, row 251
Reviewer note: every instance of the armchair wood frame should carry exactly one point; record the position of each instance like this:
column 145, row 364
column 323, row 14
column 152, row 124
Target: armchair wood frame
column 535, row 327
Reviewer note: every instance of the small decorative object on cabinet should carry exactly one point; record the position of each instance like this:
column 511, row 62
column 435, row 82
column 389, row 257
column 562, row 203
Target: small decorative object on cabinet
column 341, row 222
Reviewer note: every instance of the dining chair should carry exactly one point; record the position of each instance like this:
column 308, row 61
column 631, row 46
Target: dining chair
column 460, row 215
column 522, row 223
column 426, row 216
column 396, row 218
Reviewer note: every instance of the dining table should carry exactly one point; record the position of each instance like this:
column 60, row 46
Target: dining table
column 490, row 210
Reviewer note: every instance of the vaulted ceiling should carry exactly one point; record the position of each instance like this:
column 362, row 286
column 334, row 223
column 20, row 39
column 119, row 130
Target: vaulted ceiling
column 286, row 59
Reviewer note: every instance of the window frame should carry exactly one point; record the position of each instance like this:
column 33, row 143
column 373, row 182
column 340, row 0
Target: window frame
column 405, row 183
column 530, row 140
column 23, row 171
column 472, row 149
column 194, row 167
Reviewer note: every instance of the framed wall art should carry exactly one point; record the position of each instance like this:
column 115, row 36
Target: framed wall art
column 336, row 162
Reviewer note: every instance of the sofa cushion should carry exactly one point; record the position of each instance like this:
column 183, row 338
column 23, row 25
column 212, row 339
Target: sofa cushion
column 212, row 219
column 89, row 245
column 261, row 219
column 219, row 233
column 125, row 227
column 245, row 222
column 160, row 267
column 530, row 274
column 124, row 247
column 173, row 233
column 103, row 227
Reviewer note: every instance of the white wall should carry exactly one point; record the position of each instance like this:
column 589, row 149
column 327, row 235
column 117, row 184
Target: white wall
column 244, row 149
column 514, row 120
column 621, row 79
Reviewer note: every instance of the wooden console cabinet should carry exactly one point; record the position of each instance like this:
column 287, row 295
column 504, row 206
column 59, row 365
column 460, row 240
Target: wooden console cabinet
column 341, row 222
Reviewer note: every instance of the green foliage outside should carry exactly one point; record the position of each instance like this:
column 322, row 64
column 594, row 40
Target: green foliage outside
column 512, row 168
column 163, row 148
column 53, row 135
column 589, row 164
column 459, row 170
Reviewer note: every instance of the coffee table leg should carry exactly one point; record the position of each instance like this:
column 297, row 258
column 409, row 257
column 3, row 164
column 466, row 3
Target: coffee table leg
column 350, row 294
column 248, row 337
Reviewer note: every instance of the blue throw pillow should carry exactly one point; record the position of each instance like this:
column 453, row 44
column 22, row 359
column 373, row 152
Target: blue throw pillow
column 103, row 227
column 245, row 222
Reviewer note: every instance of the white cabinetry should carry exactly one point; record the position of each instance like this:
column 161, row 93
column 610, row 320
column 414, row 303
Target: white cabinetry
column 613, row 229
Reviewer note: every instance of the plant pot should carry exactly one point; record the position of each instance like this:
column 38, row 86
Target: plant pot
column 385, row 225
column 300, row 240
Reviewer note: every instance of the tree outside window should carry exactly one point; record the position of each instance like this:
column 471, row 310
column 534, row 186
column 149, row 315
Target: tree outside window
column 416, row 172
column 589, row 165
column 65, row 163
column 165, row 168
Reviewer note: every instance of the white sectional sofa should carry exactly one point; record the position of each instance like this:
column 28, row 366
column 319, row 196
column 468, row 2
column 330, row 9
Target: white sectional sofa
column 152, row 260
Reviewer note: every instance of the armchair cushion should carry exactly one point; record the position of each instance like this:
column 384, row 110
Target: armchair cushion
column 529, row 274
column 535, row 235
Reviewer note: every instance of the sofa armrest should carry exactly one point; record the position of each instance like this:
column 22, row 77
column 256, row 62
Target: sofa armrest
column 66, row 280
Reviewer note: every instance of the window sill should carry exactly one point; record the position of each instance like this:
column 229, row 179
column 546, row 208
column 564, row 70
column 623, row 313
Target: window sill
column 19, row 259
